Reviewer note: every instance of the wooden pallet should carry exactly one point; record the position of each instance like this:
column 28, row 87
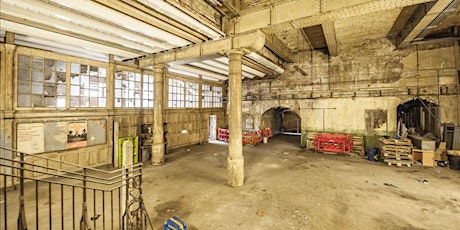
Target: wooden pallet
column 399, row 163
column 394, row 141
column 397, row 151
column 358, row 145
column 397, row 156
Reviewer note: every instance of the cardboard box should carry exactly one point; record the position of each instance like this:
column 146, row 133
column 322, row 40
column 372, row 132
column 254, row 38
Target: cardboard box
column 426, row 156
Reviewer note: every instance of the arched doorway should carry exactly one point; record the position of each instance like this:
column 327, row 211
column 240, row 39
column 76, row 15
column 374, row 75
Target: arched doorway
column 281, row 120
column 420, row 116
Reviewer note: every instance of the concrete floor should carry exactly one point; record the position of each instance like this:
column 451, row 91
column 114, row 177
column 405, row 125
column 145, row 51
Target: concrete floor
column 287, row 187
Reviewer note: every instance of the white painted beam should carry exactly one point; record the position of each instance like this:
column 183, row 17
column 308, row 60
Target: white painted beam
column 410, row 32
column 200, row 71
column 273, row 43
column 249, row 42
column 329, row 34
column 63, row 39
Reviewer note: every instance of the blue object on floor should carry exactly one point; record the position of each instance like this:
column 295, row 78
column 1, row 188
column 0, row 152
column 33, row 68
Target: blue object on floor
column 175, row 223
column 371, row 153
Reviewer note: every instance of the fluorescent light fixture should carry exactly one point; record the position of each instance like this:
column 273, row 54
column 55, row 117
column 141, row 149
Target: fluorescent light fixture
column 171, row 11
column 261, row 60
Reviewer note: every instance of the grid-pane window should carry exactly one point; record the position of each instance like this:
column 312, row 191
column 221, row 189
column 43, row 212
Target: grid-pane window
column 41, row 82
column 206, row 96
column 176, row 93
column 147, row 91
column 87, row 86
column 127, row 89
column 192, row 92
column 217, row 96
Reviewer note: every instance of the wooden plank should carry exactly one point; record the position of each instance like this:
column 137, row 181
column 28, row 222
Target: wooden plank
column 398, row 163
column 453, row 152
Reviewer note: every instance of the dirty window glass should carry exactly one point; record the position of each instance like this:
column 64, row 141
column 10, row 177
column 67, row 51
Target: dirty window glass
column 41, row 82
column 87, row 86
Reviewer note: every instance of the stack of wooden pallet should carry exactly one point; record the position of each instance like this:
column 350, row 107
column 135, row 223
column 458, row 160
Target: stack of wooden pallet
column 396, row 152
column 358, row 145
column 310, row 139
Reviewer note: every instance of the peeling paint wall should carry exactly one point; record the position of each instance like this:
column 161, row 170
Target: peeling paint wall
column 333, row 94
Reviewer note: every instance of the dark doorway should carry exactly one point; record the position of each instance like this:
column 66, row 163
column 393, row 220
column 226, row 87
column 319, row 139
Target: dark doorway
column 420, row 116
column 281, row 120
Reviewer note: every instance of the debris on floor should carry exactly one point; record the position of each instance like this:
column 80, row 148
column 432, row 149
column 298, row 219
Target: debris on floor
column 260, row 213
column 423, row 181
column 390, row 185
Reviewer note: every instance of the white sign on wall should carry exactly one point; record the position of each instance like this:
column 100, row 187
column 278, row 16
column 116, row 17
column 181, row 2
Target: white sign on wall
column 31, row 138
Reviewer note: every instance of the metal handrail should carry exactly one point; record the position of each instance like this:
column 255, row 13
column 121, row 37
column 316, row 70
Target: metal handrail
column 137, row 166
column 67, row 163
column 122, row 181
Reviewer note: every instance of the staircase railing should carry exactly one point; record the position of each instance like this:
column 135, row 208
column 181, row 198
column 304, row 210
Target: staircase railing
column 36, row 195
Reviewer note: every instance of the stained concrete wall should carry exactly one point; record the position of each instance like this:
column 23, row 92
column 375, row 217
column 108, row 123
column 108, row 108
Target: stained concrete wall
column 334, row 94
column 195, row 122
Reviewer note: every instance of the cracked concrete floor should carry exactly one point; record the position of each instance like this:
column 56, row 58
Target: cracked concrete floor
column 287, row 187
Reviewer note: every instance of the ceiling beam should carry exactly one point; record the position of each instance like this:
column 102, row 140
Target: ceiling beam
column 304, row 13
column 201, row 71
column 273, row 43
column 249, row 42
column 421, row 19
column 141, row 12
column 25, row 27
column 254, row 65
column 451, row 9
column 329, row 34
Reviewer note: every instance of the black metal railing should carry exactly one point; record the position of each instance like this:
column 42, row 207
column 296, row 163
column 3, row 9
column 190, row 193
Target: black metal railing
column 35, row 195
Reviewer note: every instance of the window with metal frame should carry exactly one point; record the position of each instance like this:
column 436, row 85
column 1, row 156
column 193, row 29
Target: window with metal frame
column 128, row 90
column 147, row 91
column 41, row 82
column 87, row 86
column 192, row 93
column 217, row 96
column 176, row 94
column 206, row 96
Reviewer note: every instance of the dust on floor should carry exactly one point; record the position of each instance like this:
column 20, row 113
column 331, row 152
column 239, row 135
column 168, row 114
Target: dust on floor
column 287, row 187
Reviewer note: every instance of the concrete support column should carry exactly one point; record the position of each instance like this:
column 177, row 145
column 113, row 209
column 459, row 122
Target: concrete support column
column 110, row 106
column 7, row 103
column 235, row 160
column 158, row 147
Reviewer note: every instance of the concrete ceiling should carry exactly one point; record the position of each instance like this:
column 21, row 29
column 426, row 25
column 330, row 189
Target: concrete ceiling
column 132, row 29
column 346, row 22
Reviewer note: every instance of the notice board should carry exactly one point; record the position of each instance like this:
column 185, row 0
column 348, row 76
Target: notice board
column 60, row 135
